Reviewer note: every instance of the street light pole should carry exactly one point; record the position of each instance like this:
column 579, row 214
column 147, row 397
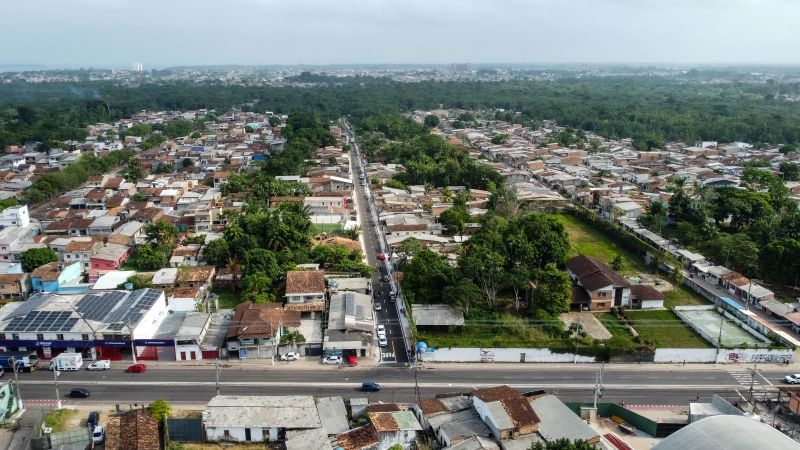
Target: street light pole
column 133, row 343
column 13, row 365
column 56, row 373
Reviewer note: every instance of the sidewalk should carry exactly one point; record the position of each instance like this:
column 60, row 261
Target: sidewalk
column 305, row 363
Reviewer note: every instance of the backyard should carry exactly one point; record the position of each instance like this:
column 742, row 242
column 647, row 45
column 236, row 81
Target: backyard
column 228, row 299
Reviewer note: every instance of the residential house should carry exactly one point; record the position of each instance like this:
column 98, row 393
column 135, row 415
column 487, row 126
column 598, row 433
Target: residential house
column 305, row 290
column 452, row 420
column 256, row 329
column 81, row 251
column 395, row 428
column 165, row 278
column 14, row 285
column 130, row 233
column 195, row 276
column 110, row 257
column 231, row 418
column 557, row 421
column 506, row 412
column 103, row 226
column 132, row 430
column 55, row 276
column 185, row 255
column 597, row 287
column 15, row 216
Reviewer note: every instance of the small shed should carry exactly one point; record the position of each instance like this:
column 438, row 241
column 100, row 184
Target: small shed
column 436, row 317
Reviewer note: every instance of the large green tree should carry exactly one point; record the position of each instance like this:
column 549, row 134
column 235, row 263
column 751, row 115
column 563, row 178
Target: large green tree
column 36, row 257
column 552, row 290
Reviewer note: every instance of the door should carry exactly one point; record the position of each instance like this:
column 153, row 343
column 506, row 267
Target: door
column 522, row 357
column 183, row 356
column 247, row 434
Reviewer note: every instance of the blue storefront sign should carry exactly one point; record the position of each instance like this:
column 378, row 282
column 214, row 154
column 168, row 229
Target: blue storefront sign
column 58, row 344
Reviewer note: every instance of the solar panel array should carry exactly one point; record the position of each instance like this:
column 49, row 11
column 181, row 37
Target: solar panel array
column 97, row 307
column 29, row 305
column 43, row 321
column 133, row 308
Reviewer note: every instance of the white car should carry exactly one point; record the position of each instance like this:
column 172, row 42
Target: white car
column 290, row 356
column 98, row 435
column 381, row 329
column 101, row 364
column 792, row 379
column 333, row 359
column 377, row 306
column 382, row 341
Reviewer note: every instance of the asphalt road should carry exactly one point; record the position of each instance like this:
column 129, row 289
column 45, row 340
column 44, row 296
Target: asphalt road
column 395, row 352
column 198, row 384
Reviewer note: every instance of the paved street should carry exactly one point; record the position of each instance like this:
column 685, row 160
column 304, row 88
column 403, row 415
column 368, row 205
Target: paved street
column 395, row 352
column 645, row 385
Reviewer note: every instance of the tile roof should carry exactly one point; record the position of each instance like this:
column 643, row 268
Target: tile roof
column 593, row 274
column 432, row 406
column 645, row 292
column 253, row 320
column 132, row 430
column 520, row 411
column 49, row 271
column 359, row 438
column 496, row 393
column 304, row 282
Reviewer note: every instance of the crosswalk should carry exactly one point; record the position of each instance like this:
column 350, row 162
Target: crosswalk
column 744, row 378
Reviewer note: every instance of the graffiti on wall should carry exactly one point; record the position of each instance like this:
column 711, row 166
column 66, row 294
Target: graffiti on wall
column 759, row 358
column 487, row 356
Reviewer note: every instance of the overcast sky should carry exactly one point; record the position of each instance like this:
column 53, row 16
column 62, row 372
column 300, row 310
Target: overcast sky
column 157, row 33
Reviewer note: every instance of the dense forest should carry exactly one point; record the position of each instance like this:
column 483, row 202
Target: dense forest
column 639, row 107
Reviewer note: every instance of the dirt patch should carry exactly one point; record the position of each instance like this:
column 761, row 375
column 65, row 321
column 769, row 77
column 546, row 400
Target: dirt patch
column 591, row 324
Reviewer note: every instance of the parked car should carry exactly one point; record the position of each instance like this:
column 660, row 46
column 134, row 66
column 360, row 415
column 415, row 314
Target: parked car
column 370, row 386
column 79, row 393
column 93, row 419
column 101, row 364
column 352, row 361
column 137, row 368
column 382, row 341
column 792, row 379
column 377, row 306
column 332, row 359
column 381, row 330
column 290, row 356
column 99, row 434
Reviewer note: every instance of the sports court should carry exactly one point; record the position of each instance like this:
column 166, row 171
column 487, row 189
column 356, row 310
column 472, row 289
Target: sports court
column 708, row 320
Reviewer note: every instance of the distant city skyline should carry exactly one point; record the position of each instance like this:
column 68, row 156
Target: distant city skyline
column 120, row 33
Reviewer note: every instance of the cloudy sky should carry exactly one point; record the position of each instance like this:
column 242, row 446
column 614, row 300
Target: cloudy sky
column 80, row 33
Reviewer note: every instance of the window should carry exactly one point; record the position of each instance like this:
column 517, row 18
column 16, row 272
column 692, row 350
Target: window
column 40, row 337
column 2, row 336
column 15, row 336
column 85, row 337
column 60, row 337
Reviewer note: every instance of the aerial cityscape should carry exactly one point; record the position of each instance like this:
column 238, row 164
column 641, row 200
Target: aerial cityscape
column 399, row 225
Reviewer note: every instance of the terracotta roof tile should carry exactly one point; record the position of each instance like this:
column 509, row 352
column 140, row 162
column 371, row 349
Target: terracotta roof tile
column 358, row 438
column 304, row 281
column 496, row 393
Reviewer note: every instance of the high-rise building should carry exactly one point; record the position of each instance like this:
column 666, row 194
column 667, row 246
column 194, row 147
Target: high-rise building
column 138, row 67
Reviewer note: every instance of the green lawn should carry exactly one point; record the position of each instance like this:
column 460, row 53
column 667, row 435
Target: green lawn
column 228, row 299
column 327, row 227
column 664, row 329
column 616, row 328
column 585, row 240
column 682, row 295
column 57, row 419
column 505, row 330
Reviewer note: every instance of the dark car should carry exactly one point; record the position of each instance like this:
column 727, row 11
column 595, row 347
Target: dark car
column 137, row 368
column 79, row 393
column 93, row 420
column 370, row 386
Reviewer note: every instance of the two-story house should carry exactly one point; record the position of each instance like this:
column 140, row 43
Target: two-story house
column 15, row 285
column 597, row 287
column 81, row 251
column 506, row 412
column 256, row 329
column 305, row 290
column 54, row 276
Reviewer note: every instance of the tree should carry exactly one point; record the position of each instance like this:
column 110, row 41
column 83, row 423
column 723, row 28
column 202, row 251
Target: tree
column 150, row 257
column 499, row 139
column 235, row 268
column 353, row 233
column 431, row 121
column 36, row 257
column 257, row 288
column 736, row 251
column 274, row 121
column 217, row 252
column 409, row 247
column 484, row 266
column 186, row 163
column 425, row 276
column 562, row 444
column 160, row 410
column 454, row 219
column 464, row 294
column 553, row 290
column 140, row 281
column 292, row 337
column 617, row 263
column 790, row 171
column 162, row 233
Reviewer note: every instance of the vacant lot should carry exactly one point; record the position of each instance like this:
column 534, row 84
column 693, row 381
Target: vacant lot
column 228, row 299
column 586, row 240
column 664, row 329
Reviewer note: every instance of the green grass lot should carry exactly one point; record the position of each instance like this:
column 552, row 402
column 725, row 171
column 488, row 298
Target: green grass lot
column 681, row 296
column 327, row 227
column 228, row 299
column 585, row 240
column 57, row 419
column 664, row 329
column 505, row 330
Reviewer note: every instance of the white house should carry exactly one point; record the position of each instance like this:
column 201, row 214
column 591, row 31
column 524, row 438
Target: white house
column 232, row 418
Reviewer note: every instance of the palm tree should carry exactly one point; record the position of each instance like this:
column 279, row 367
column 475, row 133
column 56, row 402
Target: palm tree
column 235, row 268
column 677, row 185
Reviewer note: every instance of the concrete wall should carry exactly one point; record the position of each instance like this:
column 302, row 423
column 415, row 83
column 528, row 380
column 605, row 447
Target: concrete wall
column 511, row 355
column 723, row 356
column 689, row 355
column 237, row 434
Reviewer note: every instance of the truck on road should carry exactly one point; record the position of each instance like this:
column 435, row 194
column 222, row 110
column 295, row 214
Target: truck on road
column 67, row 361
column 24, row 361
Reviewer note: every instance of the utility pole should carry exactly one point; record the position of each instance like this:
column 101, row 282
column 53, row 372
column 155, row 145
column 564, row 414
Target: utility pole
column 752, row 380
column 133, row 343
column 56, row 373
column 217, row 369
column 598, row 386
column 13, row 365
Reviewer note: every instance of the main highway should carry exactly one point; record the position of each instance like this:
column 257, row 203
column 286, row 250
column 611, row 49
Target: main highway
column 197, row 384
